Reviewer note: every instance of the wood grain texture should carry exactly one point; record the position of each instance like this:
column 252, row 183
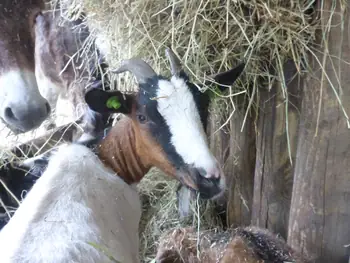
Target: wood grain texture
column 319, row 221
column 235, row 150
column 273, row 170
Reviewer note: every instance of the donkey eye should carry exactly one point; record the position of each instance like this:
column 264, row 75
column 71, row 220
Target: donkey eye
column 141, row 118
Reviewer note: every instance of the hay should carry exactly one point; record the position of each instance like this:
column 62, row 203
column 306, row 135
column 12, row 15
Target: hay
column 209, row 36
column 160, row 212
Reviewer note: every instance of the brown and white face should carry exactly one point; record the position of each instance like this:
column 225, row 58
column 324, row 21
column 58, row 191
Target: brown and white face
column 22, row 108
column 168, row 117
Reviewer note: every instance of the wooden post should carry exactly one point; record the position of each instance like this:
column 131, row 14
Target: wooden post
column 319, row 221
column 235, row 150
column 273, row 170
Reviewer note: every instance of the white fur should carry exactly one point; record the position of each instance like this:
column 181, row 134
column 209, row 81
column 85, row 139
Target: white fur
column 66, row 112
column 177, row 106
column 19, row 90
column 47, row 88
column 77, row 200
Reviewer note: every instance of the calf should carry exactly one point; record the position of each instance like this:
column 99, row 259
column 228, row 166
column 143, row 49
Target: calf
column 84, row 207
column 241, row 245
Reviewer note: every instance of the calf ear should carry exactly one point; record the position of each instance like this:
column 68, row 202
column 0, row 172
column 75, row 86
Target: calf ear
column 109, row 101
column 227, row 78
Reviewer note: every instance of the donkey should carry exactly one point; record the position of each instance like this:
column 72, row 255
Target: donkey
column 66, row 65
column 22, row 107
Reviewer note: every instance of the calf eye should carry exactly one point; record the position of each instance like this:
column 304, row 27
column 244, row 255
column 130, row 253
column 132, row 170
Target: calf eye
column 141, row 118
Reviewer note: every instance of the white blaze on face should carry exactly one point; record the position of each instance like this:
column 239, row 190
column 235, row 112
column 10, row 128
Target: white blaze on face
column 177, row 106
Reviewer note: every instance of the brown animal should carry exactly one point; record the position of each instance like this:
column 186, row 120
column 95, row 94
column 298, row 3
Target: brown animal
column 42, row 68
column 164, row 127
column 241, row 245
column 22, row 108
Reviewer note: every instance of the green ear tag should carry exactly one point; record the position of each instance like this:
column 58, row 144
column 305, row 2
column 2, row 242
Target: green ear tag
column 214, row 92
column 113, row 103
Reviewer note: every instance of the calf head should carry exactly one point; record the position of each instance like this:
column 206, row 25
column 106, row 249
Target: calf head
column 168, row 116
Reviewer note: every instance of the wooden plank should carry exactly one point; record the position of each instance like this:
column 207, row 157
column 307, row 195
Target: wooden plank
column 235, row 150
column 274, row 171
column 319, row 221
column 239, row 170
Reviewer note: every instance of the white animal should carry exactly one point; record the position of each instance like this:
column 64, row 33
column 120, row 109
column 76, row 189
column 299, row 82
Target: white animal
column 76, row 203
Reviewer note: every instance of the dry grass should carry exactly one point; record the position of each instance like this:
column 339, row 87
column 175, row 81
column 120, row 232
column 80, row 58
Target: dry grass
column 160, row 212
column 209, row 36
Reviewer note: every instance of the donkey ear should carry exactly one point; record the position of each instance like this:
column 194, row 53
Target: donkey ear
column 109, row 101
column 229, row 77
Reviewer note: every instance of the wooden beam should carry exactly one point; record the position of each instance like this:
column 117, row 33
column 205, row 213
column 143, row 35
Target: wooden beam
column 319, row 221
column 274, row 153
column 235, row 150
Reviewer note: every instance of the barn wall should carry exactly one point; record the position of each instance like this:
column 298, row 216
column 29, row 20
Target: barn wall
column 235, row 150
column 319, row 221
column 240, row 170
column 273, row 170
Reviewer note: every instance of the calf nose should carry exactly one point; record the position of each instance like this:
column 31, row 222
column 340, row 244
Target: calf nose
column 25, row 119
column 210, row 184
column 214, row 173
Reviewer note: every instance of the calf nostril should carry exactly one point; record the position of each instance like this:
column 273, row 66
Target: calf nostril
column 202, row 172
column 9, row 114
column 214, row 180
column 217, row 175
column 214, row 173
column 48, row 108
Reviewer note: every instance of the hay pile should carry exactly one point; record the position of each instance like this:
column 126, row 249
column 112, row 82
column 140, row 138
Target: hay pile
column 160, row 212
column 209, row 36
